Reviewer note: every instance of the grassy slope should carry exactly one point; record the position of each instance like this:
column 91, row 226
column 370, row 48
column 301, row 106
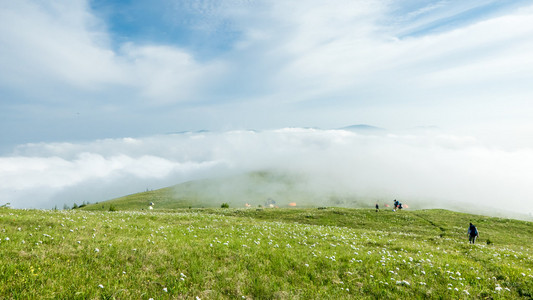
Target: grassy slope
column 434, row 223
column 254, row 188
column 268, row 253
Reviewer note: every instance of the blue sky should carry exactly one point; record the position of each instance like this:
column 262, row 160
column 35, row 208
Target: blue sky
column 79, row 72
column 191, row 25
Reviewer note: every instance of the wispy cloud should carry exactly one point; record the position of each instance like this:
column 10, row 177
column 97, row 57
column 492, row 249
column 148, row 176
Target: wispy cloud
column 61, row 49
column 337, row 61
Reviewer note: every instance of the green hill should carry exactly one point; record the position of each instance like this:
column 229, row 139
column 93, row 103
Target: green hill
column 254, row 189
column 271, row 189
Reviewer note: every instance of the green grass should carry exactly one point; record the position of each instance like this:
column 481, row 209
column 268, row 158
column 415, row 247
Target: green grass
column 333, row 253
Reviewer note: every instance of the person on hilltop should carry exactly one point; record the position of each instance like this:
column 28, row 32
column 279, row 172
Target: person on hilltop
column 377, row 207
column 472, row 233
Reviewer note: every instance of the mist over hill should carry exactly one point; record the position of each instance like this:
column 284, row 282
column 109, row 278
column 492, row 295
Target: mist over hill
column 253, row 189
column 270, row 189
column 433, row 168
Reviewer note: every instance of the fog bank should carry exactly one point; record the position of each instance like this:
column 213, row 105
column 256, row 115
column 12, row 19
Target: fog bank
column 428, row 167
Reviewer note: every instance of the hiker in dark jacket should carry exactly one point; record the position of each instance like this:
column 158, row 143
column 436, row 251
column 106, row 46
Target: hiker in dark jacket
column 377, row 207
column 472, row 233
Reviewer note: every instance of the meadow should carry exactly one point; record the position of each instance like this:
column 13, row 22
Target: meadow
column 259, row 253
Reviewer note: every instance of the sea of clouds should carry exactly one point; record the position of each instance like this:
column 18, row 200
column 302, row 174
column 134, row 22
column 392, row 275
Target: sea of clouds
column 423, row 166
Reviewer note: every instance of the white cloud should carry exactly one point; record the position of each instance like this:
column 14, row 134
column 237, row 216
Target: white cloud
column 167, row 74
column 58, row 49
column 23, row 177
column 54, row 41
column 344, row 55
column 433, row 168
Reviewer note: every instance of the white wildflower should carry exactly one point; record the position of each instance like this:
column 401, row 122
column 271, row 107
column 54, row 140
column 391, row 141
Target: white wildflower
column 100, row 286
column 165, row 290
column 403, row 282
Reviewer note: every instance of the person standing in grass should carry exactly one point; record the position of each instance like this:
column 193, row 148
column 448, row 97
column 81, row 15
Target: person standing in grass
column 472, row 233
column 377, row 207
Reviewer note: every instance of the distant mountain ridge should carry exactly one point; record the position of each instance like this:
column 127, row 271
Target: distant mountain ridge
column 362, row 127
column 355, row 127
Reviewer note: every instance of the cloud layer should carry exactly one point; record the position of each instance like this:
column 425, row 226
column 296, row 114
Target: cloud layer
column 436, row 169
